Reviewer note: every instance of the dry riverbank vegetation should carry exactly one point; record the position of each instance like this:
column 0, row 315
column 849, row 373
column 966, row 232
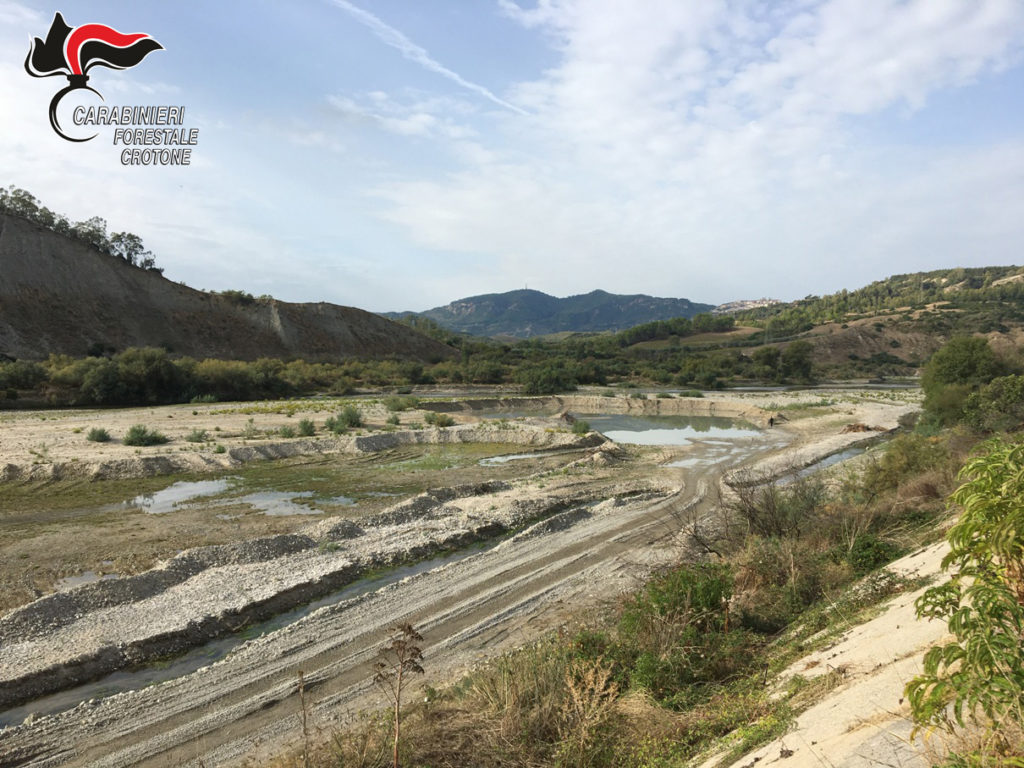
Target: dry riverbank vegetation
column 704, row 662
column 691, row 664
column 698, row 667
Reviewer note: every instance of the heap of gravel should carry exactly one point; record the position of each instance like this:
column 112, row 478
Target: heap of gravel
column 69, row 637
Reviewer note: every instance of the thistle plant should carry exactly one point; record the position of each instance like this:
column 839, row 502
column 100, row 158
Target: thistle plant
column 399, row 657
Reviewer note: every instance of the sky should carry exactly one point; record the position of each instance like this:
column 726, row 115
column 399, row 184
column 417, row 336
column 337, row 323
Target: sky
column 401, row 154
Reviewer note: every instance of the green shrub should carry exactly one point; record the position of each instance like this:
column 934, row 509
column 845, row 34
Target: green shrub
column 869, row 552
column 342, row 385
column 678, row 635
column 286, row 432
column 393, row 420
column 306, row 428
column 21, row 374
column 220, row 449
column 148, row 375
column 101, row 384
column 348, row 417
column 197, row 436
column 139, row 434
column 547, row 379
column 580, row 427
column 997, row 406
column 352, row 415
column 236, row 297
column 905, row 455
column 980, row 674
column 960, row 367
column 224, row 380
column 438, row 419
column 691, row 393
column 97, row 435
column 395, row 403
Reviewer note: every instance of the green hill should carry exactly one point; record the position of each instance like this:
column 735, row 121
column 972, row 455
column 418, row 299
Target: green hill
column 527, row 313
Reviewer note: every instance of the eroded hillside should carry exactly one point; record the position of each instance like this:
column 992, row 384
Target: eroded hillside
column 60, row 296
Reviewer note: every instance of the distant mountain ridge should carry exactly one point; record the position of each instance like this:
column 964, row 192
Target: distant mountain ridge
column 525, row 313
column 62, row 296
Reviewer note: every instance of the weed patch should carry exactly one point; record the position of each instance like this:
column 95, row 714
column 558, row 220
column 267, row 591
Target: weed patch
column 140, row 434
column 97, row 435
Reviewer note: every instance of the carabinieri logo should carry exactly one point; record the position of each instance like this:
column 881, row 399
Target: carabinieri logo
column 73, row 51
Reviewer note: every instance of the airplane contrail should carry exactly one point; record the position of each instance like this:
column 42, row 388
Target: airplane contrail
column 413, row 52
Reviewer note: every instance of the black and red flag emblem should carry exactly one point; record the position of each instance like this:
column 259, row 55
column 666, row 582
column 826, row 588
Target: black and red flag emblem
column 73, row 51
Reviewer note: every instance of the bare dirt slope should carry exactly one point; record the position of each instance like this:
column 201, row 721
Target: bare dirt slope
column 60, row 296
column 865, row 721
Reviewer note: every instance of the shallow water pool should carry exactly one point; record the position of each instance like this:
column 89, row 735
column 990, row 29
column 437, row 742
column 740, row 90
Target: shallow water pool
column 668, row 430
column 164, row 501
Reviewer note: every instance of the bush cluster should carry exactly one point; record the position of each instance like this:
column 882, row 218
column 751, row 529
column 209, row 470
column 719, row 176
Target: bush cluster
column 435, row 419
column 396, row 403
column 139, row 434
column 347, row 418
column 97, row 435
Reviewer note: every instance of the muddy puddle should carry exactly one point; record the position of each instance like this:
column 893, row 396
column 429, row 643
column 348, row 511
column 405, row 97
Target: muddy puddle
column 274, row 503
column 85, row 577
column 828, row 461
column 278, row 502
column 493, row 461
column 163, row 501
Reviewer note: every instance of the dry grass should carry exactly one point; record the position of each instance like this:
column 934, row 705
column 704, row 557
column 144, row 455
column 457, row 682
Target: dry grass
column 976, row 746
column 551, row 705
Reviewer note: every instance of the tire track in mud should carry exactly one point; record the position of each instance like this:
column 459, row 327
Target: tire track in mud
column 219, row 715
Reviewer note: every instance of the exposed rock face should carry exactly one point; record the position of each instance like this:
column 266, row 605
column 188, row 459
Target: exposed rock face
column 60, row 296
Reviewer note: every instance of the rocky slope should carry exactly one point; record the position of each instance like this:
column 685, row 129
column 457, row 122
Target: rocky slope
column 60, row 296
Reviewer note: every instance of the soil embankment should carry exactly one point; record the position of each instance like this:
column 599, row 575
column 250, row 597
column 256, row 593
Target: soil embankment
column 60, row 296
column 131, row 463
column 865, row 719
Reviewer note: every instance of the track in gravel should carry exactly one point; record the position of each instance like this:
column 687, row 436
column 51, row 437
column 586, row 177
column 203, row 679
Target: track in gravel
column 222, row 714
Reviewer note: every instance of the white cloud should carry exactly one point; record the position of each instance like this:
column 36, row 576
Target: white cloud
column 420, row 117
column 704, row 147
column 396, row 39
column 20, row 16
column 707, row 149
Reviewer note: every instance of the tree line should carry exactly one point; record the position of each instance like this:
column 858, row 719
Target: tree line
column 138, row 376
column 92, row 232
column 984, row 290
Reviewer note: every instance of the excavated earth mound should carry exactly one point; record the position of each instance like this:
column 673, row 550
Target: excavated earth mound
column 61, row 296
